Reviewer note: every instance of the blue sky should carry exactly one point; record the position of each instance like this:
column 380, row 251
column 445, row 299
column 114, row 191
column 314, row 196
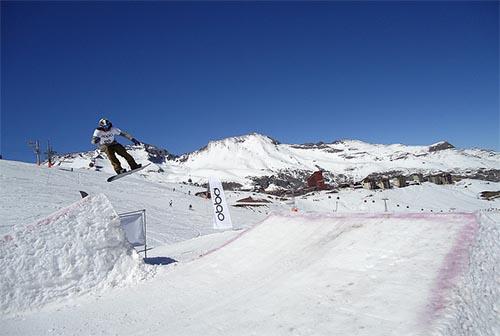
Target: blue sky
column 179, row 74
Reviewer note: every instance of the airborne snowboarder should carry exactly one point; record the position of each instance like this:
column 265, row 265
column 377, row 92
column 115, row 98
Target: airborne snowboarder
column 104, row 137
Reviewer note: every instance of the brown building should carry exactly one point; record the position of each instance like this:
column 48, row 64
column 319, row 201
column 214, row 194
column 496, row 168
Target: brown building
column 317, row 181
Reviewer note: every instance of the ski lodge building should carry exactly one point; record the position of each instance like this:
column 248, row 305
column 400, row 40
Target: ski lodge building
column 317, row 181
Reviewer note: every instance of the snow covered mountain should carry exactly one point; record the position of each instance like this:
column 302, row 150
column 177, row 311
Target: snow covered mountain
column 258, row 161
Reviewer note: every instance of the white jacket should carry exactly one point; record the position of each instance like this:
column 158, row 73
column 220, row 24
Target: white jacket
column 102, row 137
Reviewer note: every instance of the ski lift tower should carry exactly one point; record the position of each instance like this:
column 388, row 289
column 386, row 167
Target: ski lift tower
column 36, row 149
column 50, row 153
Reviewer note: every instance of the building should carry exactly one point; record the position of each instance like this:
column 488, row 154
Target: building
column 446, row 178
column 443, row 178
column 317, row 181
column 383, row 183
column 436, row 179
column 399, row 181
column 369, row 183
column 203, row 194
column 253, row 202
column 416, row 178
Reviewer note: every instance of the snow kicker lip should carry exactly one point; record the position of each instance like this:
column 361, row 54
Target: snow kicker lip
column 402, row 215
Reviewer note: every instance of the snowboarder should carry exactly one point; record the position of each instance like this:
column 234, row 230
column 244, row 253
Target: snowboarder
column 104, row 136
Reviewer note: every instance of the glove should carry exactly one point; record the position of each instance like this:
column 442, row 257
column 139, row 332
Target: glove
column 96, row 140
column 135, row 141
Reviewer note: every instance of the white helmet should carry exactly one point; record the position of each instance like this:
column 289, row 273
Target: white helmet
column 105, row 123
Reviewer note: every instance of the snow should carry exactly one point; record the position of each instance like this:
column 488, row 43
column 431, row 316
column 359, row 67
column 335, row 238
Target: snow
column 358, row 271
column 475, row 299
column 42, row 191
column 237, row 159
column 427, row 197
column 273, row 187
column 78, row 249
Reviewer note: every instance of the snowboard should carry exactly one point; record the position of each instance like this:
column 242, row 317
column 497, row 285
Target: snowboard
column 128, row 172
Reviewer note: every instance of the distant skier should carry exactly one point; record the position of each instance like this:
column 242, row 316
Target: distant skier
column 104, row 137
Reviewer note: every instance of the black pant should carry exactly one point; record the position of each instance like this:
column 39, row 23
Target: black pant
column 116, row 148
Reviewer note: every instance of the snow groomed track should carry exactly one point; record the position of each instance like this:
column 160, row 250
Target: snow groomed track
column 292, row 274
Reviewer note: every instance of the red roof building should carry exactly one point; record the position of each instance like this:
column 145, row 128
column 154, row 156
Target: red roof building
column 316, row 181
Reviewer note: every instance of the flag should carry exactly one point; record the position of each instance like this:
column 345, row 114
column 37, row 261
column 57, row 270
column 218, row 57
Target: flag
column 221, row 218
column 133, row 225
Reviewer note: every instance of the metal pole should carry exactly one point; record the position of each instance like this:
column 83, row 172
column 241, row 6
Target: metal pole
column 337, row 204
column 36, row 149
column 50, row 153
column 145, row 235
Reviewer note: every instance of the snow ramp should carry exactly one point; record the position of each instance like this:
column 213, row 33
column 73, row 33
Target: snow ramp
column 76, row 250
column 292, row 274
column 338, row 275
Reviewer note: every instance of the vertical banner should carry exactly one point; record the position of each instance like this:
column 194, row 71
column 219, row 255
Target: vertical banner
column 222, row 218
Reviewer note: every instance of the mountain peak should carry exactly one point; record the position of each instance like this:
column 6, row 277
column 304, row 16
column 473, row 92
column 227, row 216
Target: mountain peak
column 255, row 136
column 247, row 138
column 441, row 145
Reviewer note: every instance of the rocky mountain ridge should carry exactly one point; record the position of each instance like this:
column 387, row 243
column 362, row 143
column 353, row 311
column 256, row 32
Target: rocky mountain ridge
column 257, row 161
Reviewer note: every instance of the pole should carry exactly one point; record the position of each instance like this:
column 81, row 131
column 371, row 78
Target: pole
column 38, row 153
column 36, row 149
column 337, row 204
column 145, row 235
column 385, row 203
column 50, row 153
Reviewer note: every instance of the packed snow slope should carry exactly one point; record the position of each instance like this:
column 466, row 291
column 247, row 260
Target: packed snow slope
column 78, row 249
column 306, row 275
column 407, row 272
column 29, row 193
column 240, row 159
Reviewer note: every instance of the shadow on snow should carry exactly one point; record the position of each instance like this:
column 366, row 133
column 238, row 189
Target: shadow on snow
column 159, row 261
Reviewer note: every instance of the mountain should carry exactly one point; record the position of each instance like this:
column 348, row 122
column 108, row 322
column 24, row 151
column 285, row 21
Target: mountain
column 258, row 161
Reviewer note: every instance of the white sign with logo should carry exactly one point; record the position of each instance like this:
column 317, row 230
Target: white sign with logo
column 222, row 218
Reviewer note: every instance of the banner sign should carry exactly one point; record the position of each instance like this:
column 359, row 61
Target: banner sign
column 133, row 225
column 222, row 218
